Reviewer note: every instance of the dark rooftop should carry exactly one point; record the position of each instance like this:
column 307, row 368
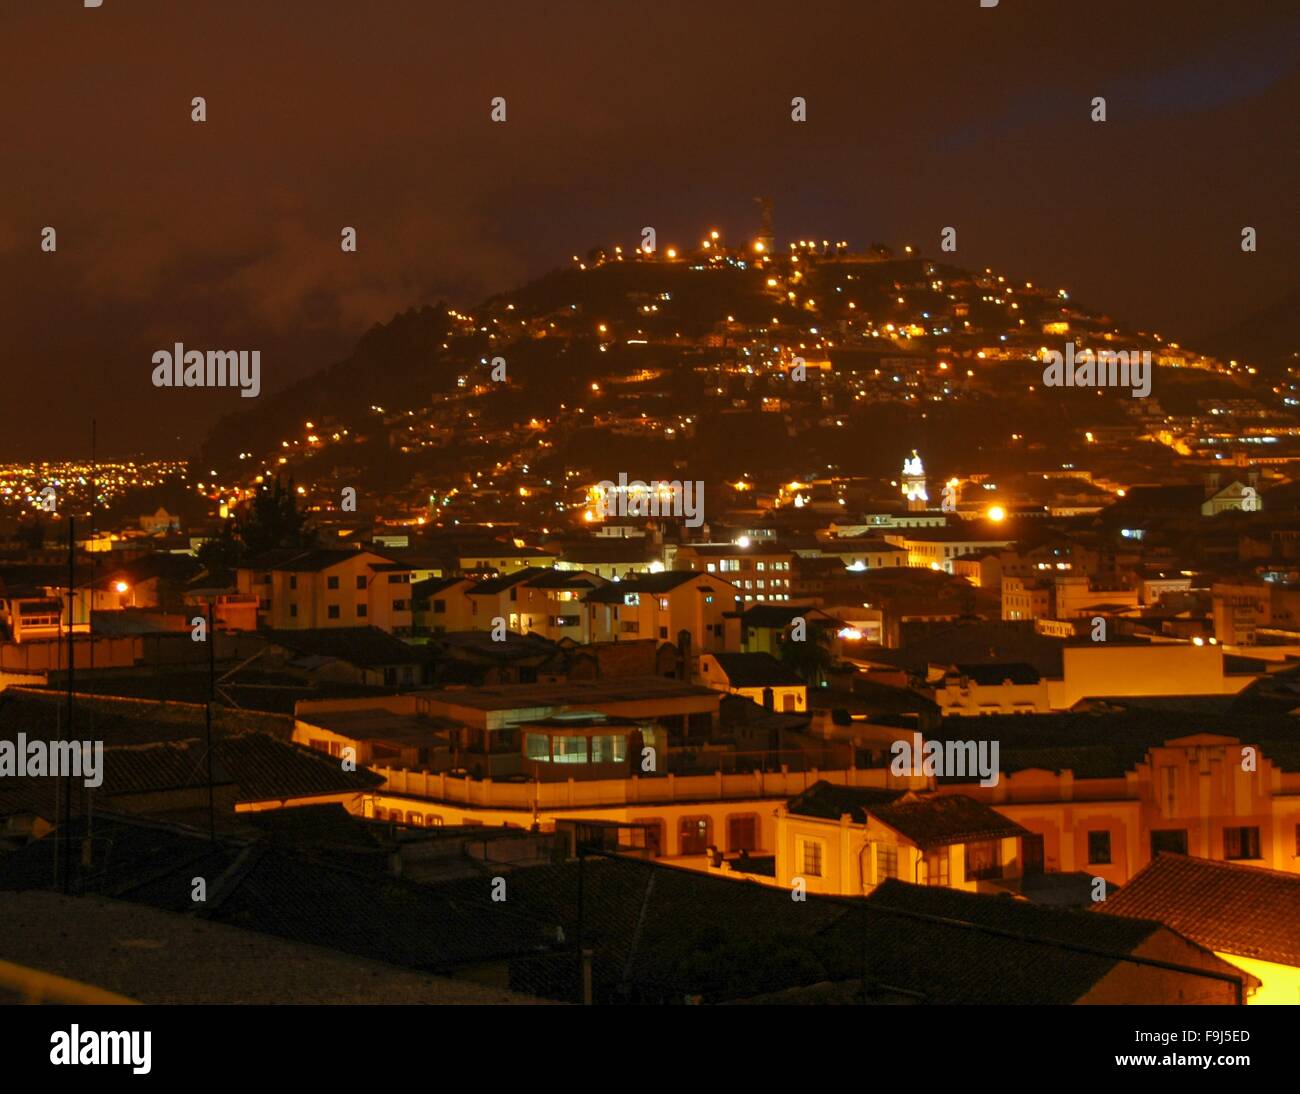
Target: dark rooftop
column 1225, row 906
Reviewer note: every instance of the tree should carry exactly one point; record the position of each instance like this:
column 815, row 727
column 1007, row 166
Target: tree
column 223, row 553
column 274, row 520
column 810, row 659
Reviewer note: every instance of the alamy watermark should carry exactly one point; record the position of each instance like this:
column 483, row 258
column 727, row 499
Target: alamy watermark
column 946, row 759
column 81, row 759
column 1105, row 368
column 653, row 499
column 215, row 368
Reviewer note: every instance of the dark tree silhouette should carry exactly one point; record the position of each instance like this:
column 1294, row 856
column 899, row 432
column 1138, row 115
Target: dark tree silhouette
column 810, row 659
column 272, row 519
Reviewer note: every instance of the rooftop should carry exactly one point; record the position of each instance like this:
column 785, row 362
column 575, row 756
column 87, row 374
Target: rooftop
column 1225, row 906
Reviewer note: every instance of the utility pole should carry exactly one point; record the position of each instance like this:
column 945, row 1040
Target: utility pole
column 65, row 835
column 212, row 691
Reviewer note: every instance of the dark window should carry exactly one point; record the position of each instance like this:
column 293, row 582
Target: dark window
column 1240, row 843
column 742, row 833
column 333, row 611
column 293, row 581
column 984, row 860
column 439, row 607
column 399, row 605
column 362, row 608
column 663, row 632
column 886, row 861
column 332, row 582
column 1099, row 848
column 361, row 581
column 1169, row 839
column 650, row 837
column 293, row 611
column 694, row 833
column 1032, row 852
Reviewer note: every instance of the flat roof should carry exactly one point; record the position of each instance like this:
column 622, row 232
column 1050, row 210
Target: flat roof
column 516, row 696
column 378, row 724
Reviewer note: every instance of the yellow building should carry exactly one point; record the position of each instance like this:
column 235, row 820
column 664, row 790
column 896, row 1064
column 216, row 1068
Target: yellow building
column 847, row 840
column 328, row 588
column 757, row 676
column 661, row 606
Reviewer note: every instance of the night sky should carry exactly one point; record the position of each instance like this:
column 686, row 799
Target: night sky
column 921, row 114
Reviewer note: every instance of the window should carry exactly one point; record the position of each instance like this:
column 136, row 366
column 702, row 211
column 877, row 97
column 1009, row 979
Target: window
column 694, row 833
column 651, row 837
column 608, row 749
column 886, row 861
column 742, row 832
column 1169, row 839
column 333, row 611
column 361, row 581
column 399, row 605
column 663, row 632
column 569, row 750
column 293, row 611
column 1099, row 848
column 332, row 582
column 663, row 603
column 362, row 608
column 293, row 581
column 936, row 866
column 1240, row 843
column 439, row 607
column 984, row 860
column 810, row 855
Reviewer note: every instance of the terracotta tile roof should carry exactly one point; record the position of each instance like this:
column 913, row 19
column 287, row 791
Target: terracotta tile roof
column 260, row 768
column 1225, row 906
column 943, row 820
column 830, row 802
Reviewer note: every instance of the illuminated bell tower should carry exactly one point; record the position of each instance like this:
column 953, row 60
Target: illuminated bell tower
column 914, row 483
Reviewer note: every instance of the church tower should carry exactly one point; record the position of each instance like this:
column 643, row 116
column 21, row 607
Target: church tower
column 914, row 483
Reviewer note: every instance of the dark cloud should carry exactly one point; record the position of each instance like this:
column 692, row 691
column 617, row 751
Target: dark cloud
column 323, row 115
